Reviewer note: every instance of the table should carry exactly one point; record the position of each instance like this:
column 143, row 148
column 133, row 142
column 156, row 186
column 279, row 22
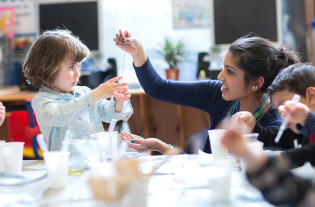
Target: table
column 169, row 187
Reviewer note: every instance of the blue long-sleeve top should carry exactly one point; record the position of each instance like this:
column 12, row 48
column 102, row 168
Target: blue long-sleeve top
column 204, row 95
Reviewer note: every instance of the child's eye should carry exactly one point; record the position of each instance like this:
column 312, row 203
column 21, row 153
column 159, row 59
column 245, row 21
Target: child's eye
column 71, row 67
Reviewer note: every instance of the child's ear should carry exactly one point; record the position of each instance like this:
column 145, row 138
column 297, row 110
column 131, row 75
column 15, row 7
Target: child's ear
column 310, row 95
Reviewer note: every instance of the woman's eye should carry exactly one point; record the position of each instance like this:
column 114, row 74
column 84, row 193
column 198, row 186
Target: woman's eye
column 229, row 71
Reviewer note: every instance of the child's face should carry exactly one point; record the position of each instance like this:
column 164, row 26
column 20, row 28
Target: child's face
column 232, row 78
column 280, row 97
column 68, row 77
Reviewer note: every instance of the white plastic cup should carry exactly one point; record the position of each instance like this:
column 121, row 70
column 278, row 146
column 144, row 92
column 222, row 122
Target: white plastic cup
column 109, row 143
column 218, row 150
column 220, row 181
column 57, row 168
column 11, row 156
column 138, row 193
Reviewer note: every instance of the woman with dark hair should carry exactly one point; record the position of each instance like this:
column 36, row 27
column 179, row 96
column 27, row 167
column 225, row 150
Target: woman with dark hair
column 250, row 65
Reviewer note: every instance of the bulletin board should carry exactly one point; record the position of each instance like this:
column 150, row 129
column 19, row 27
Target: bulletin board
column 191, row 14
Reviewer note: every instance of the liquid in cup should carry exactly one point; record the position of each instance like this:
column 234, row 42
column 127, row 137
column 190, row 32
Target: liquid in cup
column 11, row 157
column 218, row 150
column 76, row 147
column 57, row 168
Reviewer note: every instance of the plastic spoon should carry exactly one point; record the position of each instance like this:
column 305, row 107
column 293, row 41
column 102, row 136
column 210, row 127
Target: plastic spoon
column 112, row 125
column 41, row 142
column 295, row 98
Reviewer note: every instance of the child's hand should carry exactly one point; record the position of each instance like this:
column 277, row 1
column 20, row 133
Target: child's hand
column 245, row 120
column 2, row 113
column 126, row 94
column 299, row 113
column 108, row 89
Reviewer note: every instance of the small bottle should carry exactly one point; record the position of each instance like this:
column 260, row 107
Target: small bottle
column 202, row 75
column 313, row 40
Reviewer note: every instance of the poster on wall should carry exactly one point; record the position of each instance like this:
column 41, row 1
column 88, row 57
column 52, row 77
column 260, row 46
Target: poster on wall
column 7, row 15
column 191, row 14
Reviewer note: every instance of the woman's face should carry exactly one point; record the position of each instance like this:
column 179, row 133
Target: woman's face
column 232, row 78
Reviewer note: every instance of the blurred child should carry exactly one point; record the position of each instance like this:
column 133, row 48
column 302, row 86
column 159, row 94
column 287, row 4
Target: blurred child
column 2, row 113
column 53, row 65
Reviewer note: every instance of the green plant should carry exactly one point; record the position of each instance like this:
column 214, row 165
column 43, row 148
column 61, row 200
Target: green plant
column 173, row 53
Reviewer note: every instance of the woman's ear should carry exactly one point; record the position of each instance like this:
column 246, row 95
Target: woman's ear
column 258, row 83
column 310, row 96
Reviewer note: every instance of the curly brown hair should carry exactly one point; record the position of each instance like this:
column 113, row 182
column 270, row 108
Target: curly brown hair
column 45, row 56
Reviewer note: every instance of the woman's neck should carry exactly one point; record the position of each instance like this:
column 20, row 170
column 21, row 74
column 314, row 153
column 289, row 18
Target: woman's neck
column 251, row 103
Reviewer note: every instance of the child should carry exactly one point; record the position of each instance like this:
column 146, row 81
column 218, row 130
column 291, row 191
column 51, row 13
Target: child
column 53, row 65
column 250, row 65
column 2, row 113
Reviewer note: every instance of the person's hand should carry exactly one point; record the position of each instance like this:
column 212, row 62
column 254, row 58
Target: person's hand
column 245, row 120
column 235, row 143
column 108, row 89
column 125, row 91
column 143, row 145
column 119, row 106
column 129, row 43
column 298, row 114
column 2, row 113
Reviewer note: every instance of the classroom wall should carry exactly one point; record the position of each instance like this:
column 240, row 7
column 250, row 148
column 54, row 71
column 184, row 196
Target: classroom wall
column 151, row 21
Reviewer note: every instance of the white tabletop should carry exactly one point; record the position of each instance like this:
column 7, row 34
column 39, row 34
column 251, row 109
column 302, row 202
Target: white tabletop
column 180, row 182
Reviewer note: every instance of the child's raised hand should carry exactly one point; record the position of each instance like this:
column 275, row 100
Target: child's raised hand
column 298, row 113
column 2, row 113
column 126, row 94
column 108, row 89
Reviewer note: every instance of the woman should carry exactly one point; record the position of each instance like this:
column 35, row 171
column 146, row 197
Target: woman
column 250, row 65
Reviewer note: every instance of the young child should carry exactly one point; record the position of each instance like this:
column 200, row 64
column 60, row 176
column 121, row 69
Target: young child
column 284, row 188
column 53, row 65
column 2, row 113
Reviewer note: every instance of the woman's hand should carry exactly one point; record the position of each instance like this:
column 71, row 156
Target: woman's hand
column 108, row 89
column 129, row 43
column 2, row 113
column 245, row 120
column 142, row 145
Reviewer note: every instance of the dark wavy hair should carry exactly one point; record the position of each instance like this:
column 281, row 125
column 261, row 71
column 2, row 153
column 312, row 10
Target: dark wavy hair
column 258, row 56
column 45, row 56
column 295, row 78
